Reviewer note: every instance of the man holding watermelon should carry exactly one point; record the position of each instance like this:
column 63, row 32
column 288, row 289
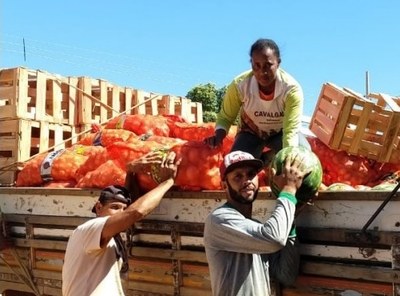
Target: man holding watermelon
column 96, row 256
column 242, row 253
column 269, row 103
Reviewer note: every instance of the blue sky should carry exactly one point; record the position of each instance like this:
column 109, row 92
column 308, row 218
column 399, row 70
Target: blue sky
column 171, row 46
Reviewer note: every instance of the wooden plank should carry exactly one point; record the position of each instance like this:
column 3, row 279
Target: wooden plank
column 49, row 221
column 155, row 225
column 50, row 261
column 198, row 111
column 192, row 256
column 150, row 288
column 115, row 101
column 140, row 97
column 316, row 285
column 44, row 143
column 361, row 126
column 5, row 285
column 128, row 100
column 21, row 93
column 46, row 274
column 40, row 244
column 185, row 291
column 342, row 120
column 349, row 271
column 195, row 276
column 345, row 236
column 72, row 99
column 40, row 96
column 56, row 99
column 151, row 270
column 24, row 139
column 346, row 253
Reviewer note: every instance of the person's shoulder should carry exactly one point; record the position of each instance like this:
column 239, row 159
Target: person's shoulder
column 97, row 221
column 222, row 212
column 243, row 76
column 287, row 78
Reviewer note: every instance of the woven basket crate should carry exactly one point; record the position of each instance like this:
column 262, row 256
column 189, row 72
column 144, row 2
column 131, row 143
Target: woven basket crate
column 345, row 120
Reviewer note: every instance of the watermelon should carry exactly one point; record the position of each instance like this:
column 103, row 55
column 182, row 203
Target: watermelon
column 311, row 182
column 340, row 187
column 385, row 186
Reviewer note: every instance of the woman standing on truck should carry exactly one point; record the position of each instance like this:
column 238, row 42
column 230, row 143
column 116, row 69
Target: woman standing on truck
column 95, row 254
column 269, row 103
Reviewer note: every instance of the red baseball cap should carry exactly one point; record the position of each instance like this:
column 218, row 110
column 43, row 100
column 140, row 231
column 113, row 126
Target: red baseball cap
column 237, row 159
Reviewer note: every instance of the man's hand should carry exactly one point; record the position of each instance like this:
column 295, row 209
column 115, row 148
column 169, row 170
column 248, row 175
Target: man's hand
column 144, row 163
column 168, row 167
column 293, row 172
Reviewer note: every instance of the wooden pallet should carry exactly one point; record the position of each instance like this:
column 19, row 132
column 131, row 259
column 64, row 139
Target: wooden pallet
column 42, row 96
column 37, row 95
column 344, row 120
column 100, row 101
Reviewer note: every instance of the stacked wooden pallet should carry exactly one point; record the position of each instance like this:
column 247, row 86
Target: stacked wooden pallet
column 40, row 111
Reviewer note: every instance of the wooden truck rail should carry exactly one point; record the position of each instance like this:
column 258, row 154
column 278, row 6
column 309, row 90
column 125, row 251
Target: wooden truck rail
column 166, row 249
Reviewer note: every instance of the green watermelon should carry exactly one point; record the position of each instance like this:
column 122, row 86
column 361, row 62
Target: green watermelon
column 340, row 187
column 385, row 186
column 311, row 182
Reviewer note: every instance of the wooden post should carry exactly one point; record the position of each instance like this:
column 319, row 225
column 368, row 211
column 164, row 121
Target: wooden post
column 103, row 97
column 128, row 100
column 21, row 92
column 72, row 101
column 396, row 262
column 176, row 263
column 40, row 112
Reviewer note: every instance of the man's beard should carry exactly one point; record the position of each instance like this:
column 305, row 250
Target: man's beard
column 236, row 196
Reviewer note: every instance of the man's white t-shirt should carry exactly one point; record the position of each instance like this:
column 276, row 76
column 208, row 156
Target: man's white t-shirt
column 89, row 269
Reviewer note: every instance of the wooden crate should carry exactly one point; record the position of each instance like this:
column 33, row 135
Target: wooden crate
column 99, row 101
column 37, row 95
column 344, row 120
column 181, row 106
column 20, row 139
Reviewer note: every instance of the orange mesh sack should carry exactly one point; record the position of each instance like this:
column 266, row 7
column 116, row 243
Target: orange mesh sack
column 60, row 165
column 109, row 173
column 141, row 124
column 98, row 155
column 122, row 153
column 107, row 137
column 166, row 142
column 199, row 169
column 192, row 131
column 30, row 173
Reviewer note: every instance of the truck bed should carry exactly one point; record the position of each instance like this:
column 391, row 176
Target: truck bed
column 166, row 249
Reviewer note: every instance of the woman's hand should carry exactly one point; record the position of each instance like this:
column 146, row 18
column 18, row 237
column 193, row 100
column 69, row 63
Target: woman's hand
column 217, row 139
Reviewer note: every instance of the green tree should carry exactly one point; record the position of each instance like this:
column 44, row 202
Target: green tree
column 210, row 97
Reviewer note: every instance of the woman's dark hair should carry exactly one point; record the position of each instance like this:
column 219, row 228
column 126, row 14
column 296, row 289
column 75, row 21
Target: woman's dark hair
column 261, row 44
